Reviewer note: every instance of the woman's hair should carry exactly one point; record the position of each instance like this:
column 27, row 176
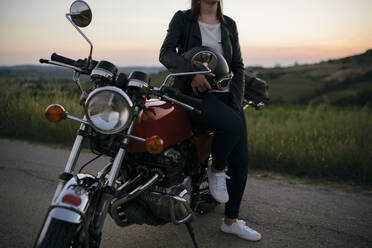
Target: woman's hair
column 195, row 8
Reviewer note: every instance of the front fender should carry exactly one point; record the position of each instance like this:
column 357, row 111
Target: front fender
column 74, row 199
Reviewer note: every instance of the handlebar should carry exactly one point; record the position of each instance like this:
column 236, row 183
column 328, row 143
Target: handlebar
column 62, row 59
column 175, row 96
column 79, row 65
column 175, row 93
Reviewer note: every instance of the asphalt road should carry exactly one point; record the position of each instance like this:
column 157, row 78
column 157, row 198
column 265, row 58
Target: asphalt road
column 287, row 214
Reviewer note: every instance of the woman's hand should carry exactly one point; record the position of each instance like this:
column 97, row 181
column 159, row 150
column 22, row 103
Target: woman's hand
column 200, row 83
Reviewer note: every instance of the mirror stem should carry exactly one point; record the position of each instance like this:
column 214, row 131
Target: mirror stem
column 68, row 16
column 172, row 75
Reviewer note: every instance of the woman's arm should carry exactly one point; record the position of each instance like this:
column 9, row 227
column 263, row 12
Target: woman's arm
column 237, row 67
column 168, row 51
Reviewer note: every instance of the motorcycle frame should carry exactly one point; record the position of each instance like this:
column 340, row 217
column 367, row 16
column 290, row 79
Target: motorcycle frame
column 109, row 173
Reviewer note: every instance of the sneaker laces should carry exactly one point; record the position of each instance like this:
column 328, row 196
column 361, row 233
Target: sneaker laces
column 221, row 181
column 243, row 225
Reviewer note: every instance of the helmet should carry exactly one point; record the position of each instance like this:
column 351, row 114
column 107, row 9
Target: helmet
column 216, row 62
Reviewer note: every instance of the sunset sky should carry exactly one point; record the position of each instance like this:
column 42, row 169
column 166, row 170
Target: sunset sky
column 128, row 32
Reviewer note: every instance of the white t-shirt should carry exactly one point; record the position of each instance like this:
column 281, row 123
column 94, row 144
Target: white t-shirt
column 211, row 37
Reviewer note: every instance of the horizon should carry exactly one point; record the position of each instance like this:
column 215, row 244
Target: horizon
column 287, row 33
column 162, row 66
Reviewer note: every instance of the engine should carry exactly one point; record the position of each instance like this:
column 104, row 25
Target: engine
column 172, row 163
column 168, row 199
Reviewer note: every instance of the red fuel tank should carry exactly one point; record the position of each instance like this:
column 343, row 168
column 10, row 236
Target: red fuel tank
column 163, row 119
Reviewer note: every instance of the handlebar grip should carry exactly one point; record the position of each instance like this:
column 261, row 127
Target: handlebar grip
column 42, row 61
column 62, row 59
column 175, row 93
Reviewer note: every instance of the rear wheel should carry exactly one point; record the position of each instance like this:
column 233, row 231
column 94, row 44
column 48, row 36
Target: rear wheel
column 60, row 234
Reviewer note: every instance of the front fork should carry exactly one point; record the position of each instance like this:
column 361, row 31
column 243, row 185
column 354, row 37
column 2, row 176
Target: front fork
column 72, row 159
column 108, row 188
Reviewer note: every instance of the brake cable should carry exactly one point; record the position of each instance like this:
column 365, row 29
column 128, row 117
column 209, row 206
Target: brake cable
column 90, row 161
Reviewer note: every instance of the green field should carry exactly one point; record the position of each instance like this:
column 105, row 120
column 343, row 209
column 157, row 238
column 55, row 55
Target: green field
column 313, row 141
column 319, row 141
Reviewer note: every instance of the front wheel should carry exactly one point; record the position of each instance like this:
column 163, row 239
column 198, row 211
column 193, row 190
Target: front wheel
column 60, row 234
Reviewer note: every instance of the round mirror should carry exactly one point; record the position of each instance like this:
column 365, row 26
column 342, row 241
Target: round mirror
column 202, row 58
column 80, row 13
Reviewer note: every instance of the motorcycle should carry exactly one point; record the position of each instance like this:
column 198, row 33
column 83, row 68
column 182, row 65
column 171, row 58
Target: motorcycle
column 157, row 171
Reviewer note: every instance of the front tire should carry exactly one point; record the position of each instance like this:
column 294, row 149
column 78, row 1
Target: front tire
column 60, row 234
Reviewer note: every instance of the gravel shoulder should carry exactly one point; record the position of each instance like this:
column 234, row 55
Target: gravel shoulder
column 287, row 212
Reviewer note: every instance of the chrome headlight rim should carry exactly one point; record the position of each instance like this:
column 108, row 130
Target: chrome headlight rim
column 120, row 93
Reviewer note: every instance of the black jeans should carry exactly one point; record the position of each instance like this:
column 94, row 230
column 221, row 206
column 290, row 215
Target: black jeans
column 229, row 144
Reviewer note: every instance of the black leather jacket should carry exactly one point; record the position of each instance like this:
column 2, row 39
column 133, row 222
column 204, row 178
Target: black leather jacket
column 184, row 34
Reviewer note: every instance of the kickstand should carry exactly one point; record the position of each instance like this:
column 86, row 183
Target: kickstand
column 191, row 232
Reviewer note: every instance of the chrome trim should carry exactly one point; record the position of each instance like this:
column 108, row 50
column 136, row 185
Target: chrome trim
column 65, row 215
column 184, row 74
column 259, row 106
column 52, row 62
column 68, row 212
column 179, row 198
column 76, row 119
column 68, row 17
column 115, row 204
column 120, row 155
column 75, row 151
column 111, row 88
column 117, row 91
column 143, row 187
column 178, row 102
column 137, row 83
column 135, row 138
column 129, row 183
column 58, row 190
column 104, row 171
column 76, row 78
column 102, row 72
column 172, row 210
column 115, row 167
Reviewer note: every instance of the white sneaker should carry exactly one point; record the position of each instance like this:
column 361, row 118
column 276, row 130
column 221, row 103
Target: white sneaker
column 240, row 229
column 217, row 185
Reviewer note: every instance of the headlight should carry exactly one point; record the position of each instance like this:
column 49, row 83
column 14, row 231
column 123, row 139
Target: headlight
column 108, row 109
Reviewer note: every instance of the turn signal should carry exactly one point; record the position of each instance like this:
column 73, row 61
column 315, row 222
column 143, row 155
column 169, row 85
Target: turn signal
column 154, row 145
column 55, row 113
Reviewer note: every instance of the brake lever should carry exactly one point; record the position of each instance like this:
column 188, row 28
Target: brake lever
column 52, row 62
column 159, row 92
column 172, row 100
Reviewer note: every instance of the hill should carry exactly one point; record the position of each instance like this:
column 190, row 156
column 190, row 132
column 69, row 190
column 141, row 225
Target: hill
column 346, row 81
column 53, row 74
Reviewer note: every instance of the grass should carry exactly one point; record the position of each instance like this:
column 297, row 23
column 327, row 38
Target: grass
column 306, row 141
column 22, row 112
column 313, row 141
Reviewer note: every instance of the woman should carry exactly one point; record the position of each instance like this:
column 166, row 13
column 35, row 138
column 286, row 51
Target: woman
column 204, row 24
